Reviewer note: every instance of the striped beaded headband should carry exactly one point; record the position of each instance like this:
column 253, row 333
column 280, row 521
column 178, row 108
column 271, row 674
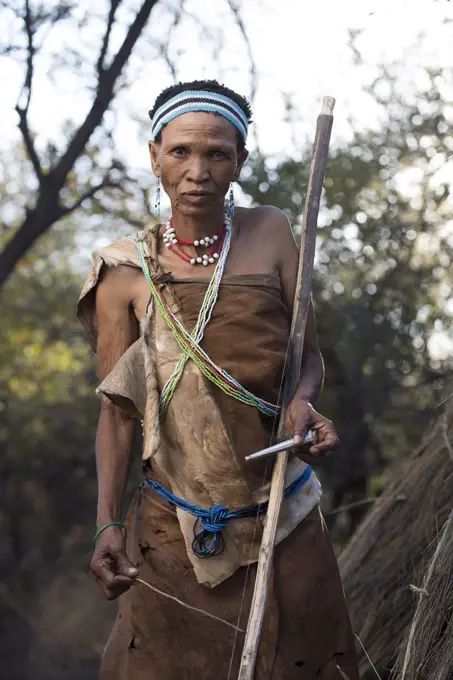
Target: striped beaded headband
column 199, row 100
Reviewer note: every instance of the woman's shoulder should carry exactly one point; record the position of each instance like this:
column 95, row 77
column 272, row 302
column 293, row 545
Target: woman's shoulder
column 266, row 218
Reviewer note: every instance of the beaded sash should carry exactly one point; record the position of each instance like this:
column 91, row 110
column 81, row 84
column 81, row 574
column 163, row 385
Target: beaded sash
column 190, row 342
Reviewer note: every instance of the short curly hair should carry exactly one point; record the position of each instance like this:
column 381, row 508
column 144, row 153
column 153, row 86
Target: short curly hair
column 205, row 86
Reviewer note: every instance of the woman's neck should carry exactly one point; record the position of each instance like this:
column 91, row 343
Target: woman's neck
column 197, row 226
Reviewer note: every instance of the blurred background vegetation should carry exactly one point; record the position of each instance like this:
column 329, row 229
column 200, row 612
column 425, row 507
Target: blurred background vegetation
column 383, row 291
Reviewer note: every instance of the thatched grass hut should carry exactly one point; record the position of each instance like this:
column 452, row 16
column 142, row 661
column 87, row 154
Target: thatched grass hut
column 384, row 562
column 427, row 652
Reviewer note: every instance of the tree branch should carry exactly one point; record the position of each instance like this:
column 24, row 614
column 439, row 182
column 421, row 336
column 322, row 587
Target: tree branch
column 29, row 145
column 114, row 4
column 163, row 47
column 9, row 49
column 48, row 209
column 252, row 65
column 104, row 94
column 122, row 215
column 26, row 88
column 106, row 183
column 28, row 21
column 148, row 210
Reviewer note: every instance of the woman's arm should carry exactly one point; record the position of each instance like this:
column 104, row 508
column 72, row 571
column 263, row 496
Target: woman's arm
column 117, row 330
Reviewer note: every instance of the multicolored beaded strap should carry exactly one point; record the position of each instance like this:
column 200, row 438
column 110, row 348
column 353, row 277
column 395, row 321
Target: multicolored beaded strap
column 189, row 343
column 204, row 316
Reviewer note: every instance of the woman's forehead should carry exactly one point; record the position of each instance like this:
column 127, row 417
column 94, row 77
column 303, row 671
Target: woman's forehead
column 200, row 126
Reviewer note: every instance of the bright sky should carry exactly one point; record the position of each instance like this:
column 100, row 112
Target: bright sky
column 300, row 48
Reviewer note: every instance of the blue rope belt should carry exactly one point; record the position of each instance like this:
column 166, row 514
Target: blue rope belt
column 208, row 541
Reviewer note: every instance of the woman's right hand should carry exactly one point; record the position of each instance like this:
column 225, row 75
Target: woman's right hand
column 110, row 564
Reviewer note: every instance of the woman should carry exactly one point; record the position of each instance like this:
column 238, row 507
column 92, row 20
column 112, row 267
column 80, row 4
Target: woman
column 190, row 321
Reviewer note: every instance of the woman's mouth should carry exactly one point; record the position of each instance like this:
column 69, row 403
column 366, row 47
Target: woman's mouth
column 198, row 196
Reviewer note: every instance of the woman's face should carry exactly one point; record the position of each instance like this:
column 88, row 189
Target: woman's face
column 197, row 159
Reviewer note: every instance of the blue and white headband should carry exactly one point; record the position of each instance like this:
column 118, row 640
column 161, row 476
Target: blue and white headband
column 199, row 100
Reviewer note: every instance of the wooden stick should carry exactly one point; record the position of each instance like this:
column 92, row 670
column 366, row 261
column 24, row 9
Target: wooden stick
column 292, row 377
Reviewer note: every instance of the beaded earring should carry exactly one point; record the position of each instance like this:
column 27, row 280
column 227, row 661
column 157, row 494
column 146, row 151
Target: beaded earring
column 157, row 200
column 231, row 201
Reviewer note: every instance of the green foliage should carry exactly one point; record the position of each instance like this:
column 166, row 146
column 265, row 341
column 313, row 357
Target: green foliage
column 45, row 373
column 48, row 409
column 48, row 415
column 382, row 280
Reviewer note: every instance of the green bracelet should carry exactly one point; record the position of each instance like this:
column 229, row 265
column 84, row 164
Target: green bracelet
column 106, row 526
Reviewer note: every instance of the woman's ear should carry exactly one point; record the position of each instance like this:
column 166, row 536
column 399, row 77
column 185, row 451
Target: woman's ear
column 153, row 154
column 242, row 157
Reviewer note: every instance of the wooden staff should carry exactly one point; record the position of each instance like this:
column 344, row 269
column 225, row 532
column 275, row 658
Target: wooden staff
column 292, row 377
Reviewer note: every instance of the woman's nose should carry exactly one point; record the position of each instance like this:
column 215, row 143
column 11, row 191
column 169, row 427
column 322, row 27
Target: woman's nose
column 198, row 170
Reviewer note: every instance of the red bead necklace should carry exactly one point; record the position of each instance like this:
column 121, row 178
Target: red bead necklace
column 213, row 245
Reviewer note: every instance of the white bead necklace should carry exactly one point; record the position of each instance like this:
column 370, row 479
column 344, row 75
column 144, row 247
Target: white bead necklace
column 172, row 241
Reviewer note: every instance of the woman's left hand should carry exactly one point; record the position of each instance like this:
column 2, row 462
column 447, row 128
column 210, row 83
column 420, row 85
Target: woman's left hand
column 301, row 417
